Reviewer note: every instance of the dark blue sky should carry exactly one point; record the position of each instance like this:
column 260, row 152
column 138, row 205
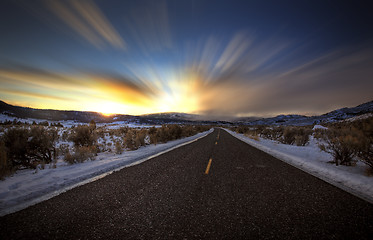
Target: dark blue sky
column 210, row 57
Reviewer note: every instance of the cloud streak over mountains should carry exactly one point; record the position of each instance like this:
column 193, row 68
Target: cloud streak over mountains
column 241, row 74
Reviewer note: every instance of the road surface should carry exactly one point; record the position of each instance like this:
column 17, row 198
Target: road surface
column 215, row 188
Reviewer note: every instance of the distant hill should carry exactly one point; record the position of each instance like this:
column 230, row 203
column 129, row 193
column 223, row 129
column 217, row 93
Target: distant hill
column 56, row 115
column 86, row 117
column 181, row 118
column 300, row 120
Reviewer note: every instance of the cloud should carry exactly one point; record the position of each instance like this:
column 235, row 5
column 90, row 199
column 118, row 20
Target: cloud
column 88, row 21
column 80, row 90
column 249, row 77
column 148, row 26
column 97, row 20
column 42, row 96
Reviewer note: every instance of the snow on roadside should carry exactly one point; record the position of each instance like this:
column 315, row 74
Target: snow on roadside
column 315, row 162
column 27, row 187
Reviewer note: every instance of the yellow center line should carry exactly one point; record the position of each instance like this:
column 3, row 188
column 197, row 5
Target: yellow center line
column 208, row 166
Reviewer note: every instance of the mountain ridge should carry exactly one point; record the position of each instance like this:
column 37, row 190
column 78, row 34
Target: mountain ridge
column 175, row 117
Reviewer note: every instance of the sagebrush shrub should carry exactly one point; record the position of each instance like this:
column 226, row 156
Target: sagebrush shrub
column 153, row 135
column 163, row 135
column 83, row 136
column 29, row 147
column 41, row 144
column 118, row 147
column 129, row 140
column 15, row 141
column 365, row 152
column 140, row 138
column 289, row 136
column 81, row 154
column 175, row 131
column 342, row 144
column 5, row 165
column 296, row 135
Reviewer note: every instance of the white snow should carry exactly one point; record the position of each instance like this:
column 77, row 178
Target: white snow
column 65, row 123
column 120, row 124
column 28, row 187
column 319, row 127
column 315, row 162
column 70, row 123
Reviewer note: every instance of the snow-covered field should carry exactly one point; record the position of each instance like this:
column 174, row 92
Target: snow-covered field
column 28, row 187
column 70, row 123
column 311, row 159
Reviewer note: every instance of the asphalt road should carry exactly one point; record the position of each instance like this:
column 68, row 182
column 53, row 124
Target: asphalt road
column 246, row 194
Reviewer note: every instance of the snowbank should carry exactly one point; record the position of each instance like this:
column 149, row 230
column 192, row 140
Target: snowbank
column 315, row 162
column 27, row 187
column 319, row 127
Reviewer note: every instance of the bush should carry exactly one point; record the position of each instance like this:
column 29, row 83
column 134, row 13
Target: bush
column 15, row 141
column 302, row 139
column 273, row 133
column 83, row 136
column 129, row 141
column 81, row 154
column 92, row 125
column 62, row 149
column 319, row 133
column 5, row 165
column 140, row 138
column 288, row 136
column 342, row 144
column 65, row 135
column 163, row 135
column 365, row 153
column 41, row 145
column 242, row 129
column 298, row 135
column 153, row 135
column 28, row 148
column 175, row 131
column 118, row 147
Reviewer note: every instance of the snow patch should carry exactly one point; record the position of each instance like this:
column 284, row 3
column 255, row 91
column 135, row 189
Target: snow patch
column 319, row 127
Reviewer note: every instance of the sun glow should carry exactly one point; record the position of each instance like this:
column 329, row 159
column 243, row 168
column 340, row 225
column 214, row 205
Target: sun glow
column 172, row 91
column 107, row 108
column 183, row 96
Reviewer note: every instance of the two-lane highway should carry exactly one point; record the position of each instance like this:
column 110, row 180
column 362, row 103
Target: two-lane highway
column 217, row 187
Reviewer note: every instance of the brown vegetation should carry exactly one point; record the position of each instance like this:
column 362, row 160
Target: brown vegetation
column 346, row 141
column 287, row 135
column 349, row 140
column 26, row 147
column 342, row 144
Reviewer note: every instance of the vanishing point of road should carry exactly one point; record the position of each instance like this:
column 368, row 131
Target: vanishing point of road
column 215, row 188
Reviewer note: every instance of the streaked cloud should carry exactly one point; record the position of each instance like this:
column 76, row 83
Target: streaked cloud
column 80, row 90
column 98, row 21
column 336, row 79
column 33, row 95
column 88, row 21
column 232, row 72
column 148, row 26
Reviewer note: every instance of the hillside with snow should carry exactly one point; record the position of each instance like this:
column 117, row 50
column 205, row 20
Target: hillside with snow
column 180, row 118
